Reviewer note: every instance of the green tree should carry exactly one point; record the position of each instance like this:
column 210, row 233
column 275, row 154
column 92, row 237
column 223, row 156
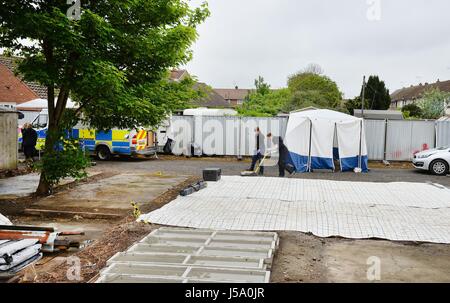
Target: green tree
column 355, row 103
column 267, row 105
column 262, row 87
column 411, row 111
column 113, row 62
column 433, row 103
column 320, row 84
column 376, row 94
column 303, row 99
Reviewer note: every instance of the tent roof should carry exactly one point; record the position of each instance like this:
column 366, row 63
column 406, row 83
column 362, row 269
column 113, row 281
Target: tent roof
column 203, row 111
column 325, row 114
column 42, row 104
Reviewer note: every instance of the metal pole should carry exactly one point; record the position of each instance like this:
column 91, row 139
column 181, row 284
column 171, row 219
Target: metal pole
column 360, row 145
column 363, row 96
column 310, row 138
column 385, row 139
column 239, row 156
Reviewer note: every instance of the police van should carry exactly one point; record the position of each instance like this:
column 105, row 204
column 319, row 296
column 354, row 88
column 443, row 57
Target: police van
column 103, row 144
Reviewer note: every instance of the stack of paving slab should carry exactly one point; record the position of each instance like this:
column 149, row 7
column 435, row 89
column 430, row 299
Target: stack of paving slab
column 16, row 255
column 176, row 255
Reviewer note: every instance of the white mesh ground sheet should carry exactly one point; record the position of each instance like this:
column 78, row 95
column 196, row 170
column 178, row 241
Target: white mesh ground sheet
column 394, row 211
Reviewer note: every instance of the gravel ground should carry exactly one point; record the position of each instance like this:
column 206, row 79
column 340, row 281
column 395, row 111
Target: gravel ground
column 230, row 166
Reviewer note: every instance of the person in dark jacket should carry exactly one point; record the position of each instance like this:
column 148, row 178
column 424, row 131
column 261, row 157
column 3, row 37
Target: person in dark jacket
column 259, row 150
column 29, row 139
column 283, row 153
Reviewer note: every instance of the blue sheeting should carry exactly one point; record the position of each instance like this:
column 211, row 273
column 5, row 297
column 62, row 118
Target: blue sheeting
column 322, row 163
column 349, row 164
column 300, row 162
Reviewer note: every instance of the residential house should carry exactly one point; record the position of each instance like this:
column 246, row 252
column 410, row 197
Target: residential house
column 178, row 74
column 411, row 94
column 234, row 96
column 13, row 91
column 212, row 98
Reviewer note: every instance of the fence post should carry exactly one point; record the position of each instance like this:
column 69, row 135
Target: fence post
column 435, row 133
column 385, row 138
column 239, row 156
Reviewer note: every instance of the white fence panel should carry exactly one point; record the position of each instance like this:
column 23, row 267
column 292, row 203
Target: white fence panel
column 219, row 135
column 423, row 136
column 222, row 136
column 375, row 138
column 405, row 138
column 183, row 134
column 443, row 133
column 235, row 136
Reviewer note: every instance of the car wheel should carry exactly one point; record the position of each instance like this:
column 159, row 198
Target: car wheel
column 103, row 153
column 439, row 167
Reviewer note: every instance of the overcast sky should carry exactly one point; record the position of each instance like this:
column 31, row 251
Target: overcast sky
column 403, row 41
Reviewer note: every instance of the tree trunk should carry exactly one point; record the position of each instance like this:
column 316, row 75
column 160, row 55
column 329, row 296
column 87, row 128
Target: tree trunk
column 55, row 112
column 44, row 186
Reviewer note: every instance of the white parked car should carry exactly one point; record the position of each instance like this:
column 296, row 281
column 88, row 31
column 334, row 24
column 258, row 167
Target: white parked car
column 437, row 160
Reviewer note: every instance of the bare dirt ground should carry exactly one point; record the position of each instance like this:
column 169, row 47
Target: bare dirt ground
column 306, row 258
column 300, row 258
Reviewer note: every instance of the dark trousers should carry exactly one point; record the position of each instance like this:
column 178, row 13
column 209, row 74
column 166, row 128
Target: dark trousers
column 29, row 151
column 255, row 159
column 281, row 168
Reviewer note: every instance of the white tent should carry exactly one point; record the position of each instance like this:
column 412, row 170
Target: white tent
column 42, row 104
column 315, row 137
column 203, row 111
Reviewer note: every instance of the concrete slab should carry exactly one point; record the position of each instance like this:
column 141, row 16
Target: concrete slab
column 210, row 238
column 188, row 259
column 25, row 185
column 116, row 192
column 183, row 273
column 202, row 251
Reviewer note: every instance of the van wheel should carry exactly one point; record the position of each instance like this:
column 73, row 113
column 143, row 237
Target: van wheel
column 439, row 167
column 103, row 153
